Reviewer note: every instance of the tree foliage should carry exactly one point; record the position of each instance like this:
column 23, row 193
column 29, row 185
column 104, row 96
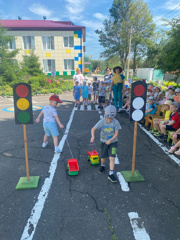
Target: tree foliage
column 9, row 69
column 31, row 65
column 114, row 36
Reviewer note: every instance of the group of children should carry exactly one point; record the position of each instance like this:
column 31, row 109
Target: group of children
column 99, row 89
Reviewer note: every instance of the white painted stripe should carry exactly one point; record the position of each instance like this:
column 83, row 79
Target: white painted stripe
column 99, row 112
column 101, row 117
column 138, row 227
column 123, row 183
column 96, row 107
column 117, row 160
column 39, row 205
column 175, row 159
column 82, row 107
column 88, row 107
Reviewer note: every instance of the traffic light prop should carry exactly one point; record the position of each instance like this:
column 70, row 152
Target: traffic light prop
column 137, row 113
column 24, row 115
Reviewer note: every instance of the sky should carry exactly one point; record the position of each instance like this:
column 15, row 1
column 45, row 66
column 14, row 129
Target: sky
column 88, row 13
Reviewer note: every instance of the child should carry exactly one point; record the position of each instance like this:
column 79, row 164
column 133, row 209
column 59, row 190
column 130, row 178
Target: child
column 89, row 92
column 77, row 93
column 158, row 121
column 170, row 125
column 128, row 101
column 152, row 106
column 95, row 89
column 49, row 122
column 170, row 94
column 84, row 90
column 158, row 95
column 107, row 94
column 101, row 91
column 109, row 132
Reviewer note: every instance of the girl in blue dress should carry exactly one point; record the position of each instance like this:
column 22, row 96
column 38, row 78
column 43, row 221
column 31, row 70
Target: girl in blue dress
column 84, row 91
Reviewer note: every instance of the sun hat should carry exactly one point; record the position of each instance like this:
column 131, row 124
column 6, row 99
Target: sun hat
column 110, row 111
column 55, row 98
column 177, row 90
column 168, row 102
column 151, row 98
column 175, row 104
column 171, row 87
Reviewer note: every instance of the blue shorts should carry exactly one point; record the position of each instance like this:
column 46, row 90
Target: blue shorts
column 50, row 129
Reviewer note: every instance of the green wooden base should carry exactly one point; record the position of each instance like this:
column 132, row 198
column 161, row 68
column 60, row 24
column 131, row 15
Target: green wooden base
column 137, row 177
column 25, row 184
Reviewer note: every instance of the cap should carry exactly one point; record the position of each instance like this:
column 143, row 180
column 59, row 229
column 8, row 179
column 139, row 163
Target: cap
column 84, row 81
column 175, row 104
column 110, row 111
column 55, row 98
column 177, row 90
column 77, row 81
column 171, row 87
column 168, row 102
column 151, row 98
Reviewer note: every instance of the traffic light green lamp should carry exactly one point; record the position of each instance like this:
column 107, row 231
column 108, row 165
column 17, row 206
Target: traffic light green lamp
column 23, row 115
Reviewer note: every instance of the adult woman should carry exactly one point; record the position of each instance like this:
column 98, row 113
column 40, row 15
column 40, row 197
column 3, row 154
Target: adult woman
column 108, row 74
column 78, row 77
column 117, row 84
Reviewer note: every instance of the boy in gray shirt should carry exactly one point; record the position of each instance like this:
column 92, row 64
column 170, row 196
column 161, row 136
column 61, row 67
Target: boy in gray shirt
column 109, row 132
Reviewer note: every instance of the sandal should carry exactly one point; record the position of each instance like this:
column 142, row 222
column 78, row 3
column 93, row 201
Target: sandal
column 177, row 152
column 172, row 150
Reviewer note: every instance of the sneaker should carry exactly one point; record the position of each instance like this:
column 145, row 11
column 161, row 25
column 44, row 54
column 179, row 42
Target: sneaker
column 101, row 169
column 58, row 150
column 156, row 134
column 162, row 138
column 112, row 178
column 44, row 145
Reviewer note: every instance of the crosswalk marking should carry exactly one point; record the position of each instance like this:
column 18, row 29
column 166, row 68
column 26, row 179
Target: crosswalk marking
column 123, row 183
column 138, row 227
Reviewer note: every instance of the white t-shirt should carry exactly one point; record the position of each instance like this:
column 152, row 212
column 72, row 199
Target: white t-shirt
column 49, row 113
column 78, row 77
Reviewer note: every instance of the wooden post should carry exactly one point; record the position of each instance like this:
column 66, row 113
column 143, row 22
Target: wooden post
column 134, row 147
column 26, row 151
column 129, row 53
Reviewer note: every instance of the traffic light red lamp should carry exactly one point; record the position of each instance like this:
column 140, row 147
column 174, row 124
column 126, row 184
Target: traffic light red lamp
column 137, row 113
column 24, row 115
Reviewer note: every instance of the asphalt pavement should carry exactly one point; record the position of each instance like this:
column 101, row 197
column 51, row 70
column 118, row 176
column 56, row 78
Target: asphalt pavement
column 87, row 206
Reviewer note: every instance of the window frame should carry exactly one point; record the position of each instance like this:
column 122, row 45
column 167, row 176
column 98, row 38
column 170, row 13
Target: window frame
column 28, row 48
column 68, row 41
column 64, row 64
column 9, row 42
column 46, row 43
column 51, row 65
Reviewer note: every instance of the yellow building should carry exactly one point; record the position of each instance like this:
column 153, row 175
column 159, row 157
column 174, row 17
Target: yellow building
column 58, row 44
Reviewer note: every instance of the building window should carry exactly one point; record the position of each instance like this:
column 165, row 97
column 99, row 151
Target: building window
column 68, row 41
column 48, row 65
column 48, row 43
column 69, row 64
column 29, row 42
column 12, row 45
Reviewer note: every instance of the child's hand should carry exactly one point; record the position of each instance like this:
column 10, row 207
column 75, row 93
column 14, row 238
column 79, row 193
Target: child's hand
column 61, row 126
column 37, row 120
column 92, row 140
column 108, row 142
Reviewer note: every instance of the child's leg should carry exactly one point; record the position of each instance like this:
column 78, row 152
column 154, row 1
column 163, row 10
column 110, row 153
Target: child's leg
column 45, row 138
column 111, row 163
column 163, row 129
column 156, row 125
column 55, row 140
column 174, row 138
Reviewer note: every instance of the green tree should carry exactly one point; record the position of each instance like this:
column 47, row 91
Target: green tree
column 169, row 60
column 9, row 68
column 31, row 65
column 114, row 36
column 143, row 28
